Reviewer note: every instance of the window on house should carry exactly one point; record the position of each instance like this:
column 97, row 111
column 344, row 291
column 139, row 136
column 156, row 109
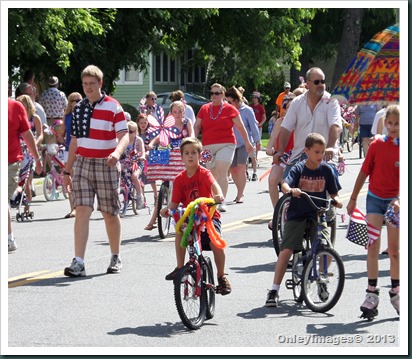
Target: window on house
column 165, row 69
column 130, row 77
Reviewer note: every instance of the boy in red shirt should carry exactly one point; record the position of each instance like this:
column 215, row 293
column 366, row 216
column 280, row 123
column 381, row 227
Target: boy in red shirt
column 382, row 166
column 194, row 182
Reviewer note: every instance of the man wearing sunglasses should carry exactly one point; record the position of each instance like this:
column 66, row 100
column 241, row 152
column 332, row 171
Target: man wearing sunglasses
column 313, row 111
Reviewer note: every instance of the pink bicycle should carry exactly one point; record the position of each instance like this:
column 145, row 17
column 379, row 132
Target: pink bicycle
column 53, row 182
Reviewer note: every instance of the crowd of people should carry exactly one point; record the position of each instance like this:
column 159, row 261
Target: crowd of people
column 99, row 137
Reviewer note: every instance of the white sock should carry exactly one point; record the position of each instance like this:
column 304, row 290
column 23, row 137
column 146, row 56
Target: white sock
column 276, row 287
column 80, row 260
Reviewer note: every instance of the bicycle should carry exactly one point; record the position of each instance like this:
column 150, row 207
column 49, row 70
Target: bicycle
column 318, row 273
column 163, row 200
column 128, row 193
column 194, row 286
column 280, row 216
column 53, row 182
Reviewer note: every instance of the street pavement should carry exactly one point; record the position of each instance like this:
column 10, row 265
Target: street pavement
column 134, row 312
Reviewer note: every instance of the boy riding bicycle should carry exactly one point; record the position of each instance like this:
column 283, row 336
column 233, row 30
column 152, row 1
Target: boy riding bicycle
column 315, row 177
column 194, row 182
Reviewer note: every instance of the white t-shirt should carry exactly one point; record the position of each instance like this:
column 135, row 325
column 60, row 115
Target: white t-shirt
column 189, row 113
column 378, row 115
column 300, row 119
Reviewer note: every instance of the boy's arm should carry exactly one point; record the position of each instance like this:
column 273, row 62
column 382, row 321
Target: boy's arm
column 164, row 212
column 295, row 192
column 339, row 203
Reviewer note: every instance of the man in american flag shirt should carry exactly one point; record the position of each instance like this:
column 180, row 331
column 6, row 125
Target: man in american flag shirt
column 99, row 137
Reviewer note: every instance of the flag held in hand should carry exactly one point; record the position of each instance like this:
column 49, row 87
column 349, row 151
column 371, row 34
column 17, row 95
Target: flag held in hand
column 360, row 231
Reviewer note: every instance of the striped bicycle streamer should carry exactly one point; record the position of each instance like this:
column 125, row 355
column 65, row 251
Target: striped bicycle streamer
column 166, row 172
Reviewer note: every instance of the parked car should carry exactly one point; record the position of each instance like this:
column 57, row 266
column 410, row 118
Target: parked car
column 196, row 101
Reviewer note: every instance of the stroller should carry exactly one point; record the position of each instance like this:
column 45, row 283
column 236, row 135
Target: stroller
column 19, row 198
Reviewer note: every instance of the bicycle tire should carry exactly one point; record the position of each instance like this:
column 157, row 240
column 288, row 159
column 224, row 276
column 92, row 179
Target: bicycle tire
column 134, row 202
column 297, row 270
column 321, row 293
column 279, row 220
column 49, row 187
column 162, row 201
column 123, row 202
column 191, row 308
column 209, row 282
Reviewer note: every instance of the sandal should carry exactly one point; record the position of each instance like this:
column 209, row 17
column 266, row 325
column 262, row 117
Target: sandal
column 70, row 215
column 239, row 200
column 149, row 227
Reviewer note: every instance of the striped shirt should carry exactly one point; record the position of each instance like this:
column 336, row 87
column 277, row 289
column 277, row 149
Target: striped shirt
column 96, row 125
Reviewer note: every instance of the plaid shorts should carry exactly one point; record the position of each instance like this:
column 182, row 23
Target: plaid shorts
column 93, row 177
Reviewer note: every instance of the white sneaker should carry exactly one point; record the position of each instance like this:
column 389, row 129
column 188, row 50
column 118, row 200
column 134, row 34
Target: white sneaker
column 222, row 207
column 139, row 201
column 12, row 245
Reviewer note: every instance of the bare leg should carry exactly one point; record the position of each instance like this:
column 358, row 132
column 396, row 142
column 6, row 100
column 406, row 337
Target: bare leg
column 239, row 178
column 282, row 265
column 220, row 174
column 81, row 230
column 114, row 231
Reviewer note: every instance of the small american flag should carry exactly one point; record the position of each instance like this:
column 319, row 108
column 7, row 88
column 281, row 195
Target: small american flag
column 360, row 231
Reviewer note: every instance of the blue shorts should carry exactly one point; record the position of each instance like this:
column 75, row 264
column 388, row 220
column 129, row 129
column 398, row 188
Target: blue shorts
column 365, row 131
column 376, row 205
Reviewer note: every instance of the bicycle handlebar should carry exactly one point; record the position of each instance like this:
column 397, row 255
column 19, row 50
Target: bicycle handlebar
column 309, row 198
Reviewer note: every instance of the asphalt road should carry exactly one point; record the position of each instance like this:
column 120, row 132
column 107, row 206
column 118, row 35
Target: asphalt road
column 134, row 312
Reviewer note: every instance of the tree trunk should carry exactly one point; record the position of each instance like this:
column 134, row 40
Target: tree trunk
column 349, row 44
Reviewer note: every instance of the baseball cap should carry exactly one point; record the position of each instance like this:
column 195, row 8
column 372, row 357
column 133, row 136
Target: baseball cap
column 286, row 85
column 53, row 80
column 256, row 94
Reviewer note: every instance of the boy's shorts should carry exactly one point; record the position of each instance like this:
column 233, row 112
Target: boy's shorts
column 294, row 231
column 204, row 236
column 93, row 177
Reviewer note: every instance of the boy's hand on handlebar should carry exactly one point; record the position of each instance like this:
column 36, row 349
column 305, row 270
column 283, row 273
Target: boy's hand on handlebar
column 337, row 202
column 218, row 198
column 164, row 212
column 295, row 192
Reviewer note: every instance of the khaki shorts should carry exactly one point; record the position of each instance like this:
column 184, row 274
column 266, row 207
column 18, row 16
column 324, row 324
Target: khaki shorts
column 92, row 177
column 221, row 152
column 295, row 230
column 13, row 180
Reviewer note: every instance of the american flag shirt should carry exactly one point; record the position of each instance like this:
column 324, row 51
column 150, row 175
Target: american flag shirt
column 96, row 125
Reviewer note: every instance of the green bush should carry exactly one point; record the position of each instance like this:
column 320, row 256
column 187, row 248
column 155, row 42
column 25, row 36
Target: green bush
column 131, row 109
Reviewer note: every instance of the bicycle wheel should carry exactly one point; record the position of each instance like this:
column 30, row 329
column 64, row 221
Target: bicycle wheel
column 323, row 280
column 297, row 270
column 123, row 202
column 209, row 283
column 279, row 220
column 163, row 201
column 134, row 202
column 49, row 187
column 190, row 306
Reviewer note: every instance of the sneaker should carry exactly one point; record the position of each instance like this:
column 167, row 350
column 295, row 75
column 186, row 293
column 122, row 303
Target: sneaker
column 222, row 207
column 254, row 177
column 12, row 245
column 273, row 299
column 76, row 269
column 223, row 287
column 172, row 275
column 115, row 265
column 323, row 292
column 395, row 301
column 371, row 301
column 140, row 202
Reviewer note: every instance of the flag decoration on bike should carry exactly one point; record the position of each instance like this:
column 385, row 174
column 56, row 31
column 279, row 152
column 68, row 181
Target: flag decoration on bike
column 360, row 231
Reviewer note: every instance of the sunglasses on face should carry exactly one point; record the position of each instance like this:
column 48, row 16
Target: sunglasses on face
column 317, row 82
column 215, row 93
column 78, row 100
column 132, row 132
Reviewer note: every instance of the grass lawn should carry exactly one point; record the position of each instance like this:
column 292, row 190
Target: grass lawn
column 264, row 140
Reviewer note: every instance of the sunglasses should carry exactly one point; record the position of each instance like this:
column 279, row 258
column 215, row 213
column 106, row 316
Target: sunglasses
column 154, row 98
column 215, row 93
column 132, row 132
column 317, row 82
column 78, row 100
